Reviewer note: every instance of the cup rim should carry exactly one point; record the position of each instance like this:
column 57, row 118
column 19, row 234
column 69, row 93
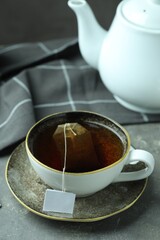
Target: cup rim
column 79, row 173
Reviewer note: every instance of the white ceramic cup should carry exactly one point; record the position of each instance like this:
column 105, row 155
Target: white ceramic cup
column 87, row 183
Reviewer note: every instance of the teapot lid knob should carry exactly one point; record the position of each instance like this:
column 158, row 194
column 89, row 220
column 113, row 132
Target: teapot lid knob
column 142, row 13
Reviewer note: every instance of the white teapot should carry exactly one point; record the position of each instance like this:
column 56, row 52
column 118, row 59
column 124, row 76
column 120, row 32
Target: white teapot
column 128, row 55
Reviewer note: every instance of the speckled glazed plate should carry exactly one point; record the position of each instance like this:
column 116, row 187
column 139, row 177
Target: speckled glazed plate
column 29, row 190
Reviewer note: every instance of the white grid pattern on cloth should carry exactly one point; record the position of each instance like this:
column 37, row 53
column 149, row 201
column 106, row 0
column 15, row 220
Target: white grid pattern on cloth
column 12, row 112
column 13, row 47
column 67, row 79
column 40, row 45
column 18, row 81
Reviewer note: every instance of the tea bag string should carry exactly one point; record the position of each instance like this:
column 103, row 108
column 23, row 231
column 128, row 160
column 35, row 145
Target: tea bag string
column 65, row 158
column 65, row 155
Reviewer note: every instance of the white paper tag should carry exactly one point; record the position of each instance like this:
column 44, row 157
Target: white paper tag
column 59, row 201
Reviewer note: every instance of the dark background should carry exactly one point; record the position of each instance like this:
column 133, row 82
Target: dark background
column 40, row 20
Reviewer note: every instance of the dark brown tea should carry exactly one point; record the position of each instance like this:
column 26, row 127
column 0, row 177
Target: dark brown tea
column 107, row 146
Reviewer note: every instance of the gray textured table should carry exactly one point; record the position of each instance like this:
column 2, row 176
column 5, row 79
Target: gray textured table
column 141, row 221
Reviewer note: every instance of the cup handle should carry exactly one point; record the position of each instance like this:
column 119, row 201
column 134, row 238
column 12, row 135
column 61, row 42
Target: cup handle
column 137, row 155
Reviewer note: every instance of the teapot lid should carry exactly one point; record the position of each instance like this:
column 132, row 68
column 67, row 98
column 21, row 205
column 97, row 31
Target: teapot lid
column 144, row 13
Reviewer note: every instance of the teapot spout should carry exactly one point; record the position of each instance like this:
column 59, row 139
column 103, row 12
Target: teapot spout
column 90, row 33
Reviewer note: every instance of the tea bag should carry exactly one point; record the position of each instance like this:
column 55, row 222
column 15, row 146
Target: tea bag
column 81, row 155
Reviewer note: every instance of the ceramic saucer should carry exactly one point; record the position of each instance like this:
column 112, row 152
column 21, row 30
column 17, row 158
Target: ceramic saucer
column 29, row 190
